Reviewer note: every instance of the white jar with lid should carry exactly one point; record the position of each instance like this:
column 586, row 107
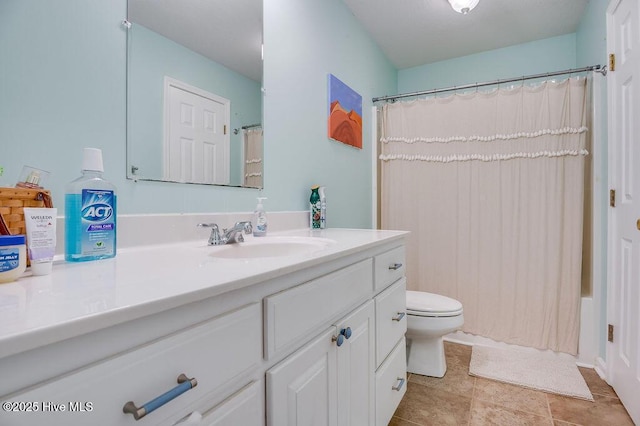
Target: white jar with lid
column 13, row 257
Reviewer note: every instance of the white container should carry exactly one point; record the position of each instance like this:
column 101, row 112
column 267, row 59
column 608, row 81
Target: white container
column 260, row 219
column 323, row 207
column 13, row 257
column 41, row 236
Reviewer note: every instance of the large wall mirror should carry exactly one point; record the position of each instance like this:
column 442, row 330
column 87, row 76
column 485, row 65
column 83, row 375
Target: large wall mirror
column 194, row 91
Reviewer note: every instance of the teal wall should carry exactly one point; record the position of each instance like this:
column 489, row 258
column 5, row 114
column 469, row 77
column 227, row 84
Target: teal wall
column 552, row 54
column 151, row 57
column 304, row 42
column 63, row 75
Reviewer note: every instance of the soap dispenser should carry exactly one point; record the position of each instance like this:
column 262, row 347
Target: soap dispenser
column 260, row 219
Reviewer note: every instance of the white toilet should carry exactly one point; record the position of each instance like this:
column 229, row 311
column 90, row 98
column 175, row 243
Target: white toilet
column 429, row 317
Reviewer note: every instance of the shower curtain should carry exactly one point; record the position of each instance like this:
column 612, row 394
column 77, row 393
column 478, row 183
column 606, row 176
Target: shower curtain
column 491, row 187
column 253, row 158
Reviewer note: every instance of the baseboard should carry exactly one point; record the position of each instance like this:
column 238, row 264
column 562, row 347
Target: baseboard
column 601, row 368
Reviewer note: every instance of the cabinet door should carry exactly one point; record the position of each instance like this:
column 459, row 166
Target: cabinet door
column 356, row 366
column 301, row 390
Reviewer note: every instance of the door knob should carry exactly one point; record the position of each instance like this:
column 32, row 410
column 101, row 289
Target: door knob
column 638, row 224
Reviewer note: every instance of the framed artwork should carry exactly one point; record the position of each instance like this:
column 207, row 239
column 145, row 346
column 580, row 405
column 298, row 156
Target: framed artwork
column 345, row 113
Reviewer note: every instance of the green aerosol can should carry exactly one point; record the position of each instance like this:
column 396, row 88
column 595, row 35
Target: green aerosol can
column 314, row 205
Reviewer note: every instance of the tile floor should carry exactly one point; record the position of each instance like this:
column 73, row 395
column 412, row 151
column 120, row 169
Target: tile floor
column 461, row 399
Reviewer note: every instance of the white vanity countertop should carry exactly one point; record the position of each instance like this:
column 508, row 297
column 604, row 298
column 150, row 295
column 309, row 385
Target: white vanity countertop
column 78, row 298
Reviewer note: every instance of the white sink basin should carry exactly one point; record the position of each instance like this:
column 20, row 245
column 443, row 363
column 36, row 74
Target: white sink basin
column 264, row 247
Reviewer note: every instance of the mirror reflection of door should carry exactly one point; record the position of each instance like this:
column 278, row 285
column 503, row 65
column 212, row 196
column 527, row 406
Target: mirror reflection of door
column 196, row 139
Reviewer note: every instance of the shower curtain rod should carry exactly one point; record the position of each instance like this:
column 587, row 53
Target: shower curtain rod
column 597, row 68
column 249, row 126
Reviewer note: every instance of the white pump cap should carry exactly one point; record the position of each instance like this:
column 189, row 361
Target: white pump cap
column 260, row 200
column 92, row 160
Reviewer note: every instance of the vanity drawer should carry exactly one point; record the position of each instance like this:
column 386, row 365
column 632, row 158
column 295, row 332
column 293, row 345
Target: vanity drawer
column 245, row 408
column 389, row 266
column 294, row 316
column 391, row 384
column 220, row 354
column 391, row 318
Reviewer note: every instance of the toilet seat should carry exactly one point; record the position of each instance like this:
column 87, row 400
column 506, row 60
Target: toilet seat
column 420, row 303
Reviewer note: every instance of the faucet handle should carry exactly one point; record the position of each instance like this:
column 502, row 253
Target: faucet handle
column 207, row 225
column 214, row 238
column 246, row 226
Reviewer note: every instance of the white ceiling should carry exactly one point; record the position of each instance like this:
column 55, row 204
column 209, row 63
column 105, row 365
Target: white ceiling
column 417, row 32
column 409, row 32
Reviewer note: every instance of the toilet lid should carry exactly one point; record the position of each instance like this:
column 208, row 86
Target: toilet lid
column 432, row 305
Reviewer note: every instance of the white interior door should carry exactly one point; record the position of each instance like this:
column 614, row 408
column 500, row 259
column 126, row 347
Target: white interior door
column 623, row 354
column 196, row 135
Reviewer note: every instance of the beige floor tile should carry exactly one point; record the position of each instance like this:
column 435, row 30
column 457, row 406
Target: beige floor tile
column 595, row 383
column 458, row 399
column 457, row 353
column 485, row 413
column 511, row 396
column 603, row 411
column 396, row 421
column 430, row 406
column 456, row 380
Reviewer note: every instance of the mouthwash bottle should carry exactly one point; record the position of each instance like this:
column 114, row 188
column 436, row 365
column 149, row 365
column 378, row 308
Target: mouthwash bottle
column 90, row 212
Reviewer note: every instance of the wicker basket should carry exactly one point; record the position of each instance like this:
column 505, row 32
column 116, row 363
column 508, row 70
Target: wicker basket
column 12, row 204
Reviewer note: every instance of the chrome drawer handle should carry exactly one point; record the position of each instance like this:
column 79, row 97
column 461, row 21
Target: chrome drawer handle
column 400, row 384
column 395, row 266
column 399, row 316
column 185, row 384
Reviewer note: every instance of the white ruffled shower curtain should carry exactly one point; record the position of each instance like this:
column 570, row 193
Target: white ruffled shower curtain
column 491, row 186
column 253, row 158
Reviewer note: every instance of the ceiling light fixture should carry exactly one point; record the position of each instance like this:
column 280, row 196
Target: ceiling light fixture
column 463, row 6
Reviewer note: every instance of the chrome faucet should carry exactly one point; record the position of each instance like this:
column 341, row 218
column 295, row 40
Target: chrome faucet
column 231, row 235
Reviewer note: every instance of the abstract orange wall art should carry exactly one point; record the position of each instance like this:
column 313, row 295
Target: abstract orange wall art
column 345, row 113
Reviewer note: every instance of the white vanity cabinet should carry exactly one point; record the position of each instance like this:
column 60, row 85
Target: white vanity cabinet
column 310, row 340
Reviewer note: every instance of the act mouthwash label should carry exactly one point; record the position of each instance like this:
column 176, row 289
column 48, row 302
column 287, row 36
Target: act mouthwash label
column 98, row 218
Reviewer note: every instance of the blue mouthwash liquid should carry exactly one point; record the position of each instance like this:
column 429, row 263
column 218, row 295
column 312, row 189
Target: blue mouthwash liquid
column 90, row 213
column 90, row 225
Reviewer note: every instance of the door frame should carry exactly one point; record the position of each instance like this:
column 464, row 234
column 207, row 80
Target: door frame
column 613, row 217
column 172, row 82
